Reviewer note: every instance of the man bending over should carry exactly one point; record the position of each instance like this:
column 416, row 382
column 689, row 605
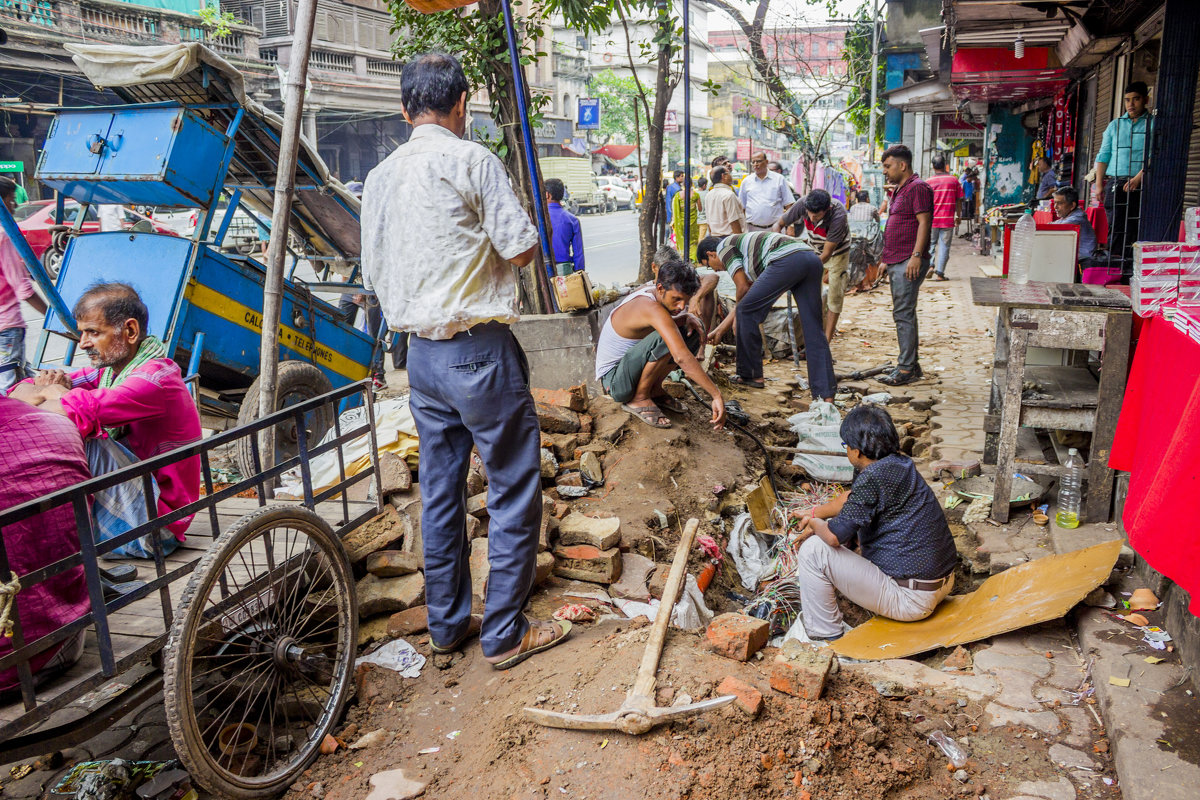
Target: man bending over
column 641, row 343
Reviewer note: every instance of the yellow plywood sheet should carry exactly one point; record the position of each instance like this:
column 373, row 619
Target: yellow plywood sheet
column 759, row 503
column 1033, row 592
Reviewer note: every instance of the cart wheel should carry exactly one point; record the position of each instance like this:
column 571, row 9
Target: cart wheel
column 260, row 657
column 298, row 381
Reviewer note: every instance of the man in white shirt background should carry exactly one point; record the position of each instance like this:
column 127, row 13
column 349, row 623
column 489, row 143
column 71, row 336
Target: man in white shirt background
column 452, row 287
column 764, row 194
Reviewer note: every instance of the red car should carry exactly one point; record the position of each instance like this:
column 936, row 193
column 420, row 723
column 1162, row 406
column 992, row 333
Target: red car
column 36, row 221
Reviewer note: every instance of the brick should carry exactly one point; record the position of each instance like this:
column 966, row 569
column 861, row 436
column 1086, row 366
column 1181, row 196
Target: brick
column 561, row 444
column 600, row 532
column 600, row 448
column 475, row 482
column 394, row 474
column 587, row 425
column 409, row 622
column 554, row 419
column 477, row 504
column 801, row 669
column 548, row 529
column 583, row 562
column 575, row 398
column 658, row 581
column 381, row 533
column 589, row 465
column 544, row 569
column 749, row 699
column 570, row 479
column 476, row 528
column 389, row 595
column 561, row 509
column 549, row 464
column 479, row 566
column 392, row 563
column 737, row 636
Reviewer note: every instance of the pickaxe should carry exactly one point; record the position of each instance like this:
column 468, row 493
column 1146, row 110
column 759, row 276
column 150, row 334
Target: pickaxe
column 638, row 713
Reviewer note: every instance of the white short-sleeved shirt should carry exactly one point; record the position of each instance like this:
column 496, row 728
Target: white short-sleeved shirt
column 765, row 199
column 440, row 222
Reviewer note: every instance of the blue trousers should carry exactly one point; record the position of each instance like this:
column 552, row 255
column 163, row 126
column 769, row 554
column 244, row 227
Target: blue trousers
column 940, row 239
column 473, row 390
column 798, row 273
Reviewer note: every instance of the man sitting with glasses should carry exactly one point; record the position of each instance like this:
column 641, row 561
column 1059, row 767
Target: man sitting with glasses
column 907, row 560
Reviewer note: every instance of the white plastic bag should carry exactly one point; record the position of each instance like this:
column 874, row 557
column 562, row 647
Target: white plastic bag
column 751, row 555
column 689, row 613
column 820, row 428
column 398, row 656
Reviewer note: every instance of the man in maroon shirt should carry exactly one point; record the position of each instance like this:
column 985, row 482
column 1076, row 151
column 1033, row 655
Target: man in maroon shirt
column 906, row 254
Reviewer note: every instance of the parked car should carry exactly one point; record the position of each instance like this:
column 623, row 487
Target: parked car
column 48, row 241
column 619, row 195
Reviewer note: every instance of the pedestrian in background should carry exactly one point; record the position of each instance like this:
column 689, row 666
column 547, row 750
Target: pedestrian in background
column 567, row 235
column 723, row 210
column 15, row 286
column 702, row 193
column 453, row 287
column 764, row 194
column 947, row 191
column 906, row 254
column 1049, row 181
column 691, row 219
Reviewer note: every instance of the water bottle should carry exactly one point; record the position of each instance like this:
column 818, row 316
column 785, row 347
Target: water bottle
column 1022, row 248
column 1070, row 491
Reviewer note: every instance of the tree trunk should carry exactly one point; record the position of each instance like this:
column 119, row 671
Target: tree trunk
column 652, row 203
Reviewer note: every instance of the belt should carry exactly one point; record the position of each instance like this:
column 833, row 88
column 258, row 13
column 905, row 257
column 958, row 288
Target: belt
column 923, row 586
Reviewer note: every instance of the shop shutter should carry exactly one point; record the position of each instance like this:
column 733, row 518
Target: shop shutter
column 1191, row 191
column 1104, row 103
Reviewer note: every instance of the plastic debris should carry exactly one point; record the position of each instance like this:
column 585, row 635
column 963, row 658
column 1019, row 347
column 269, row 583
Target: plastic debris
column 398, row 656
column 952, row 749
column 453, row 734
column 1153, row 660
column 750, row 551
column 574, row 612
column 710, row 547
column 1118, row 681
column 877, row 399
column 429, row 751
column 329, row 745
column 373, row 739
column 819, row 428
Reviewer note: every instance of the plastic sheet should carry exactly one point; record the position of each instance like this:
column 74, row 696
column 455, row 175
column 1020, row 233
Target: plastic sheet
column 398, row 656
column 819, row 428
column 751, row 554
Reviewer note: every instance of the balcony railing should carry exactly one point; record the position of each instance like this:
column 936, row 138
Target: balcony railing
column 331, row 61
column 386, row 69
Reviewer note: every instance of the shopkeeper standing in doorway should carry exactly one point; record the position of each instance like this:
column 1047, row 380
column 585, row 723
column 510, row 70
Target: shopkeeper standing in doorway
column 1119, row 167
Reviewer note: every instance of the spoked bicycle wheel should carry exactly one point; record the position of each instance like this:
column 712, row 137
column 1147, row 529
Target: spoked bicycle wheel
column 260, row 656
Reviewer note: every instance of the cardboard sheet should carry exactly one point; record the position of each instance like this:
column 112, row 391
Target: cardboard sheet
column 1033, row 592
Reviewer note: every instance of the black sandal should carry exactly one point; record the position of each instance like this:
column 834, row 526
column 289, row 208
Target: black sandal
column 749, row 383
column 900, row 377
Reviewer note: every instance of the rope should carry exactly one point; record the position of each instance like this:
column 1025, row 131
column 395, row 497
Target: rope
column 8, row 596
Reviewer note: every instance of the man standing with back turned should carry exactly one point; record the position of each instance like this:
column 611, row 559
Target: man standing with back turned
column 452, row 287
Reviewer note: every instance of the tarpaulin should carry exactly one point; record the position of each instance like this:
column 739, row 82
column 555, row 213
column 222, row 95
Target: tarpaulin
column 1156, row 443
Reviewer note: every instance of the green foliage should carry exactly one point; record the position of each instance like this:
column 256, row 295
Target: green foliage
column 219, row 23
column 618, row 96
column 857, row 55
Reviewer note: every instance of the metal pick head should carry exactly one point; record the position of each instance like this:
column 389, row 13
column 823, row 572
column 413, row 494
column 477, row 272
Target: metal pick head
column 631, row 720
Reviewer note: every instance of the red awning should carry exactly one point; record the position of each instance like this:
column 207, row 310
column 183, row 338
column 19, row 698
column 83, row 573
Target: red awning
column 615, row 151
column 995, row 74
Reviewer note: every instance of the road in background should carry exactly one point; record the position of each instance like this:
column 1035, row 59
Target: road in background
column 610, row 245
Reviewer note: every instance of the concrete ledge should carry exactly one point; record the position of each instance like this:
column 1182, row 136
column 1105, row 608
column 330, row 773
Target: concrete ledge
column 561, row 348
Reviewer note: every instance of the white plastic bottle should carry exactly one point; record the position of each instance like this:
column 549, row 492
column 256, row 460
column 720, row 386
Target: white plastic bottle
column 1070, row 490
column 1022, row 248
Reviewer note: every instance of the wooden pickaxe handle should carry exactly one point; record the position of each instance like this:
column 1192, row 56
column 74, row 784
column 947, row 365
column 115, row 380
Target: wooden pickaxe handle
column 647, row 672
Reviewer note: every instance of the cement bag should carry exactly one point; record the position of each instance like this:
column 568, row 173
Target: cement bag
column 751, row 553
column 819, row 428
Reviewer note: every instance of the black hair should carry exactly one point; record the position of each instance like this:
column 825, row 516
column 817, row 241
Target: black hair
column 863, row 196
column 432, row 83
column 1068, row 193
column 664, row 254
column 899, row 151
column 702, row 183
column 1138, row 87
column 677, row 275
column 116, row 302
column 938, row 162
column 707, row 245
column 555, row 188
column 1046, row 159
column 774, row 165
column 818, row 200
column 719, row 161
column 678, row 173
column 718, row 174
column 8, row 188
column 870, row 431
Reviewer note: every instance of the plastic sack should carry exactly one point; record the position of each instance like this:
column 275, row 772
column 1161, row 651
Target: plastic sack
column 820, row 428
column 689, row 613
column 398, row 656
column 751, row 554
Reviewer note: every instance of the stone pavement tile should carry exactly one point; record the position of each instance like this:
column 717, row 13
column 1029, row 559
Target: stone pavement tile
column 1066, row 674
column 1024, row 659
column 1045, row 721
column 1016, row 689
column 915, row 675
column 1062, row 789
column 1048, row 695
column 1070, row 758
column 1080, row 727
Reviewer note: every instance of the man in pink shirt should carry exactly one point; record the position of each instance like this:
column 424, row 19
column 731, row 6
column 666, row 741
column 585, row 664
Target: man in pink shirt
column 947, row 191
column 131, row 405
column 15, row 286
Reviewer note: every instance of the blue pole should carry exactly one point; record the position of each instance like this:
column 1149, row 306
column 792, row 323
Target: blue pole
column 687, row 133
column 35, row 269
column 539, row 210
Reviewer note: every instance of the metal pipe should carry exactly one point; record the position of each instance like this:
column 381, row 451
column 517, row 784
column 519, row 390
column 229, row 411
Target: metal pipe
column 535, row 181
column 687, row 132
column 53, row 299
column 285, row 187
column 874, row 77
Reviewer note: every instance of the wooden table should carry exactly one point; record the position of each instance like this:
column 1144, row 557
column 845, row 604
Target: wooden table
column 1083, row 396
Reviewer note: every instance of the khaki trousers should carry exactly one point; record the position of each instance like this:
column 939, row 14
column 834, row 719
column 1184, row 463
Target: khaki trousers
column 823, row 569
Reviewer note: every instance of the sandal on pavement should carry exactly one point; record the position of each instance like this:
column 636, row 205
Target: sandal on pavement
column 473, row 627
column 671, row 404
column 651, row 415
column 899, row 377
column 749, row 383
column 937, row 276
column 540, row 636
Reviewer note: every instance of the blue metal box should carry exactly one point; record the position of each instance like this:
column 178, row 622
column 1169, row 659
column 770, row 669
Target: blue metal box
column 153, row 154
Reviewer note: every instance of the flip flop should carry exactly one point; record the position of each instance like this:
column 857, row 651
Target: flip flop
column 651, row 415
column 749, row 383
column 671, row 404
column 528, row 648
column 473, row 627
column 118, row 573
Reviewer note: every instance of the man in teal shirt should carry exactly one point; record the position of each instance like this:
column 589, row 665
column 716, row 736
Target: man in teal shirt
column 1119, row 167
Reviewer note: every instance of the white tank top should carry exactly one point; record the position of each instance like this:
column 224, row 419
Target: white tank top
column 612, row 346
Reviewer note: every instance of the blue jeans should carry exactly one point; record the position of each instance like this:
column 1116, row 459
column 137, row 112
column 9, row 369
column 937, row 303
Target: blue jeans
column 12, row 357
column 473, row 390
column 798, row 273
column 904, row 310
column 941, row 241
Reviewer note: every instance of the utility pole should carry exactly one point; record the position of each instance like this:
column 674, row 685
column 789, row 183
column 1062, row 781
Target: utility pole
column 687, row 133
column 874, row 77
